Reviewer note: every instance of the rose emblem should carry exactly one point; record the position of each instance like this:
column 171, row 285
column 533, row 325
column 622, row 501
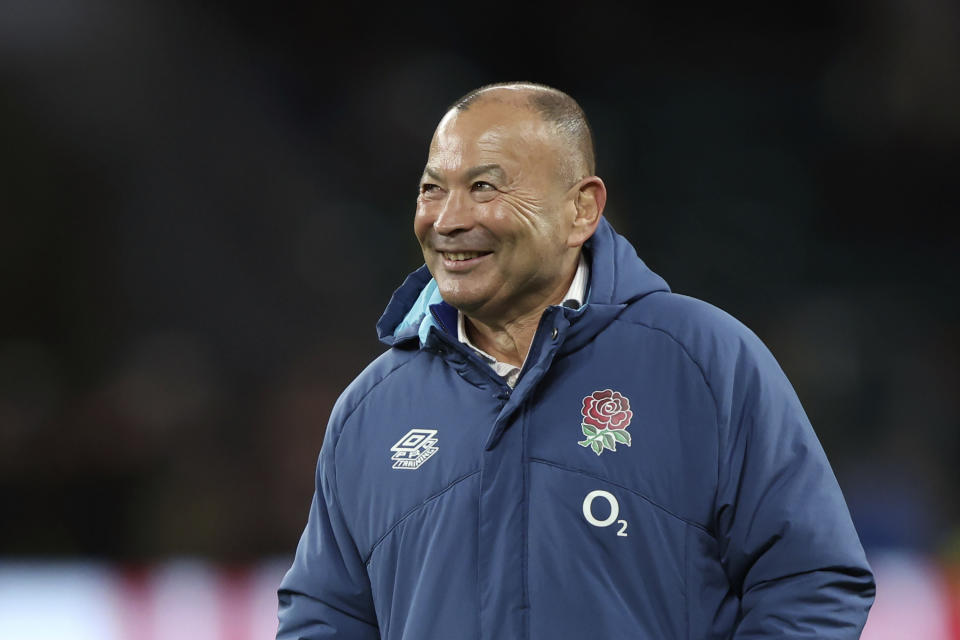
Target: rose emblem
column 605, row 417
column 606, row 410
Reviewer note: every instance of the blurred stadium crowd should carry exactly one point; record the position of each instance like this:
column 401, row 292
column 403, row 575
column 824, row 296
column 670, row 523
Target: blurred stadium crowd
column 203, row 211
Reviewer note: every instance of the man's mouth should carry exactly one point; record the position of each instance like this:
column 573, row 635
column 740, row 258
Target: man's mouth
column 461, row 256
column 462, row 261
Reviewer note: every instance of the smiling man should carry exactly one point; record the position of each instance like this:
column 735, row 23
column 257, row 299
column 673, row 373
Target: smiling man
column 555, row 445
column 506, row 202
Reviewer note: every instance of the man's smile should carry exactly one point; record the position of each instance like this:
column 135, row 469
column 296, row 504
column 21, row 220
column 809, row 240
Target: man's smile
column 461, row 260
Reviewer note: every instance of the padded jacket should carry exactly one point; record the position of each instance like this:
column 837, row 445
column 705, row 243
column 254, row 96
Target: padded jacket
column 651, row 476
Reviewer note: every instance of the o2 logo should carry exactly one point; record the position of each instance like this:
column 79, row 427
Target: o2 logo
column 610, row 519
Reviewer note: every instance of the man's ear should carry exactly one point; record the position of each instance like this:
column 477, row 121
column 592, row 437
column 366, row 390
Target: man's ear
column 589, row 201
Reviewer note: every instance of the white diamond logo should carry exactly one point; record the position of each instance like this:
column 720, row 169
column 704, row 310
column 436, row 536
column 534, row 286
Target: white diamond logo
column 415, row 448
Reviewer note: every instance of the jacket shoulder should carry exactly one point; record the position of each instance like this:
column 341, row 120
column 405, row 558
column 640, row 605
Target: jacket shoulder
column 731, row 358
column 704, row 330
column 382, row 368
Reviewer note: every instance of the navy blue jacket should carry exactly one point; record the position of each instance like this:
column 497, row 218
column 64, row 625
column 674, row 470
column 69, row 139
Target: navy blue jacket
column 652, row 475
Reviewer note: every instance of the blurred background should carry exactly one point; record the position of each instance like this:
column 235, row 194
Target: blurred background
column 204, row 208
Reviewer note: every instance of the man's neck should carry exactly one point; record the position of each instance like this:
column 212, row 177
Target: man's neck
column 509, row 340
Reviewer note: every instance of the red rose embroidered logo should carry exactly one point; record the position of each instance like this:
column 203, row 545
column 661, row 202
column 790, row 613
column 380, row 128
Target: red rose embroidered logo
column 606, row 416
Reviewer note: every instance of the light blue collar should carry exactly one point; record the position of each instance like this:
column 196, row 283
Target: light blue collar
column 419, row 313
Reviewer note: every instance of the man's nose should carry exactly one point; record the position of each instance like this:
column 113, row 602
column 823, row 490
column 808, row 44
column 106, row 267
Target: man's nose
column 456, row 214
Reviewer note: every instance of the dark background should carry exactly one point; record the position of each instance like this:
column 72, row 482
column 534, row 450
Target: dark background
column 205, row 208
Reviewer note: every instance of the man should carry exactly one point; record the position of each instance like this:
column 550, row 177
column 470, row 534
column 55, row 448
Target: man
column 555, row 445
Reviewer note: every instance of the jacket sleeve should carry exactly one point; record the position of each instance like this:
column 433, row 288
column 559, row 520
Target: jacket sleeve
column 326, row 593
column 788, row 545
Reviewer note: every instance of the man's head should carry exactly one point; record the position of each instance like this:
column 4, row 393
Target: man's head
column 507, row 199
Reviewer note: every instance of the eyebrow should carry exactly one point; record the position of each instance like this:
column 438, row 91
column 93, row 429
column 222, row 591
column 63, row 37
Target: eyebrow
column 472, row 172
column 479, row 170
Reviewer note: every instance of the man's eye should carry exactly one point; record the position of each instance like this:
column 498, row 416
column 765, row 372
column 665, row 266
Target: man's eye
column 482, row 186
column 428, row 188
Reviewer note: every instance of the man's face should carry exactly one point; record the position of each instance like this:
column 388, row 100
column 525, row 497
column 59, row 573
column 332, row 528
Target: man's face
column 493, row 219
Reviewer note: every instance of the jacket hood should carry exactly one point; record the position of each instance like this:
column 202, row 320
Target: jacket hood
column 618, row 277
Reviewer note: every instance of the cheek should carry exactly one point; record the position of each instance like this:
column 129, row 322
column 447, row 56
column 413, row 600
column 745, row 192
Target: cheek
column 513, row 220
column 524, row 207
column 498, row 217
column 422, row 222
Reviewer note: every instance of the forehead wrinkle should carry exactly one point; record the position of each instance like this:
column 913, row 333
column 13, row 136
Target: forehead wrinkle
column 443, row 159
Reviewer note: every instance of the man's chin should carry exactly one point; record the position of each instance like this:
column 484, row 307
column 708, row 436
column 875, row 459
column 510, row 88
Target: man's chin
column 464, row 305
column 455, row 296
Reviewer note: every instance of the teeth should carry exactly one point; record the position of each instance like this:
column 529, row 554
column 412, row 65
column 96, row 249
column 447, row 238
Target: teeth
column 463, row 255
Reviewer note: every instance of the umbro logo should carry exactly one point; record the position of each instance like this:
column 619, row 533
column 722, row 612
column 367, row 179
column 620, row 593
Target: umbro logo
column 415, row 448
